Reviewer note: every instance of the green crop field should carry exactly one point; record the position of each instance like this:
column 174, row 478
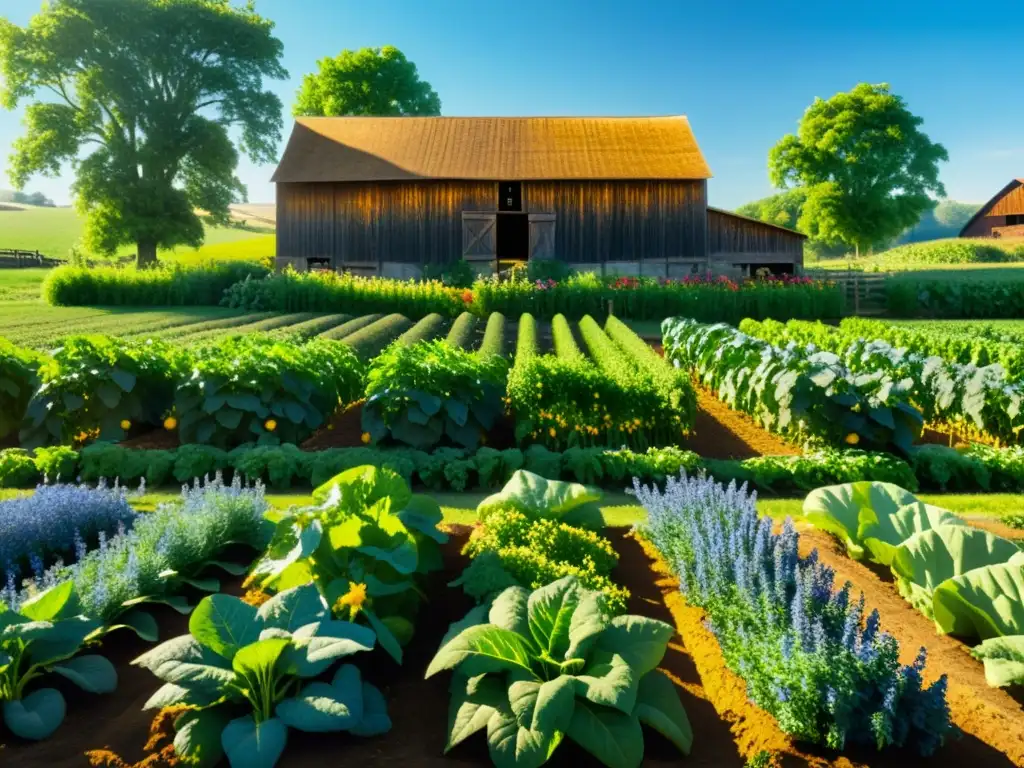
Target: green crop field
column 53, row 231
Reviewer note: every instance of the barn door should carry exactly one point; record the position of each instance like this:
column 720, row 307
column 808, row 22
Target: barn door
column 542, row 235
column 479, row 236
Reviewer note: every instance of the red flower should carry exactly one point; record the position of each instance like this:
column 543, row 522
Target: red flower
column 467, row 296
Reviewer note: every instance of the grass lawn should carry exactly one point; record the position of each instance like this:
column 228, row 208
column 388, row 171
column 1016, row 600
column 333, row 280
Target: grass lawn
column 52, row 232
column 1008, row 271
column 21, row 285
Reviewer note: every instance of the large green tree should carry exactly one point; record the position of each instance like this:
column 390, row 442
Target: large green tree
column 375, row 82
column 141, row 96
column 868, row 169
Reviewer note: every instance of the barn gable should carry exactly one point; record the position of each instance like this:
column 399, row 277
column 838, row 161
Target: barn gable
column 1002, row 216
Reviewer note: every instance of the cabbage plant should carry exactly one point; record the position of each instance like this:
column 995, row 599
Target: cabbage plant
column 241, row 672
column 45, row 635
column 542, row 666
column 363, row 546
column 1004, row 660
column 539, row 498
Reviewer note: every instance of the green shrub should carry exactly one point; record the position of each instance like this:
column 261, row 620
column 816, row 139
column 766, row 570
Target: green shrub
column 958, row 251
column 164, row 286
column 290, row 291
column 909, row 295
column 461, row 334
column 98, row 387
column 18, row 378
column 494, row 336
column 427, row 328
column 368, row 341
column 259, row 389
column 347, row 329
column 56, row 464
column 422, row 394
column 457, row 274
column 17, row 469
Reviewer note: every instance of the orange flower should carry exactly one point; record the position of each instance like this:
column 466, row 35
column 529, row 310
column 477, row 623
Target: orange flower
column 170, row 423
column 365, row 438
column 270, row 425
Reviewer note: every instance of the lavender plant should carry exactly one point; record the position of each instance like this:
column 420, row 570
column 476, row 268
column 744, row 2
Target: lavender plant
column 36, row 529
column 806, row 651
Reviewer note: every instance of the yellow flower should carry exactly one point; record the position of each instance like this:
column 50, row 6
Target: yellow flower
column 852, row 439
column 170, row 423
column 597, row 396
column 353, row 600
column 270, row 425
column 125, row 424
column 552, row 432
column 365, row 438
column 636, row 422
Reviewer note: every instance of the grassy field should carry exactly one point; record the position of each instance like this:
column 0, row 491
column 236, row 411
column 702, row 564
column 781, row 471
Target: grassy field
column 52, row 232
column 963, row 258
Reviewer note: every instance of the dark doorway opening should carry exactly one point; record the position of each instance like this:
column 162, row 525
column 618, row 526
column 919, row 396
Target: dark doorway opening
column 513, row 237
column 510, row 196
column 773, row 269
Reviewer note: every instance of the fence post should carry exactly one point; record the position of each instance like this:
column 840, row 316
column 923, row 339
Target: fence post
column 856, row 295
column 610, row 312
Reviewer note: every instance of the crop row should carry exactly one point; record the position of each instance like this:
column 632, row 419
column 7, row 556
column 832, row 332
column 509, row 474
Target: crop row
column 955, row 342
column 964, row 399
column 799, row 392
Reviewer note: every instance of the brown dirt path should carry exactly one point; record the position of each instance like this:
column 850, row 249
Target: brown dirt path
column 986, row 715
column 721, row 433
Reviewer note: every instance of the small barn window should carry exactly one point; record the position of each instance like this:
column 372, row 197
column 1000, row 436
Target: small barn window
column 1014, row 219
column 510, row 196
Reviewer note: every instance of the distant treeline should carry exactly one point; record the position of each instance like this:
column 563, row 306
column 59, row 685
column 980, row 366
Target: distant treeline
column 24, row 198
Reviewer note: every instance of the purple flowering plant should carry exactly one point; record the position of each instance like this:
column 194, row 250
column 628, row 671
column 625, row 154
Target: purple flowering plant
column 806, row 650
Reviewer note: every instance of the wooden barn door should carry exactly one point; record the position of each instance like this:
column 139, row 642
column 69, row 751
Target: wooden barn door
column 542, row 235
column 479, row 236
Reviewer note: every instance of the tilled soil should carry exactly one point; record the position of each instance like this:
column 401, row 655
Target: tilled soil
column 719, row 432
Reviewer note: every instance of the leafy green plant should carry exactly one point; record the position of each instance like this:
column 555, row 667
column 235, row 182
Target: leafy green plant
column 240, row 670
column 421, row 394
column 257, row 388
column 363, row 547
column 462, row 330
column 457, row 274
column 369, row 340
column 539, row 498
column 542, row 666
column 17, row 469
column 1004, row 660
column 45, row 635
column 494, row 336
column 984, row 602
column 18, row 376
column 95, row 386
column 427, row 328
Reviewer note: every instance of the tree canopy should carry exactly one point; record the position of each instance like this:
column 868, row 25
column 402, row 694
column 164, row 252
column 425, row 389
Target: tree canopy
column 140, row 97
column 868, row 170
column 371, row 82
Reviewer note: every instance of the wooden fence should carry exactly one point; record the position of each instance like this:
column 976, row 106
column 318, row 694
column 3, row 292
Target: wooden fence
column 12, row 258
column 865, row 291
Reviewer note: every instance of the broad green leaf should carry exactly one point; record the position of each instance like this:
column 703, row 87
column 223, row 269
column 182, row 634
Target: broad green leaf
column 946, row 551
column 986, row 602
column 385, row 636
column 36, row 716
column 256, row 661
column 235, row 569
column 182, row 660
column 223, row 623
column 198, row 735
column 881, row 534
column 473, row 701
column 614, row 738
column 641, row 642
column 62, row 640
column 306, row 539
column 293, row 608
column 658, row 706
column 588, row 622
column 608, row 680
column 476, row 616
column 318, row 645
column 171, row 694
column 403, row 558
column 482, row 648
column 323, row 708
column 550, row 611
column 1004, row 660
column 543, row 707
column 253, row 745
column 512, row 746
column 203, row 584
column 360, row 487
column 510, row 611
column 375, row 713
column 140, row 622
column 538, row 497
column 56, row 602
column 837, row 508
column 89, row 672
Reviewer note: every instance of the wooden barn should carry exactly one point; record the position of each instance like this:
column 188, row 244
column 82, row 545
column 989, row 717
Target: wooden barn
column 1002, row 216
column 619, row 195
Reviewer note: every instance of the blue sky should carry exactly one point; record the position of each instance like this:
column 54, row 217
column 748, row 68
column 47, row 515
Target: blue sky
column 743, row 71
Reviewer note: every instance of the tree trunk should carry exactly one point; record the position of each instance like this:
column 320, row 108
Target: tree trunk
column 147, row 254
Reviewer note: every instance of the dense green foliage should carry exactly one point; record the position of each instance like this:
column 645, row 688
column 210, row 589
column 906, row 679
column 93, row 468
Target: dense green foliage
column 370, row 82
column 538, row 667
column 493, row 342
column 159, row 137
column 655, row 298
column 368, row 341
column 431, row 392
column 345, row 330
column 18, row 378
column 290, row 291
column 461, row 333
column 424, row 330
column 365, row 546
column 96, row 387
column 257, row 388
column 169, row 286
column 908, row 295
column 797, row 391
column 952, row 251
column 866, row 166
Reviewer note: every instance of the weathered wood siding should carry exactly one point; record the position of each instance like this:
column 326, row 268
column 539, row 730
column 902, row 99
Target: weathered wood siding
column 421, row 222
column 740, row 240
column 601, row 221
column 994, row 218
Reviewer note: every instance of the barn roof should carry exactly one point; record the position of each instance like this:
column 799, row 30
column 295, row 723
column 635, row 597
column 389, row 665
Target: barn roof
column 768, row 224
column 983, row 211
column 325, row 149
